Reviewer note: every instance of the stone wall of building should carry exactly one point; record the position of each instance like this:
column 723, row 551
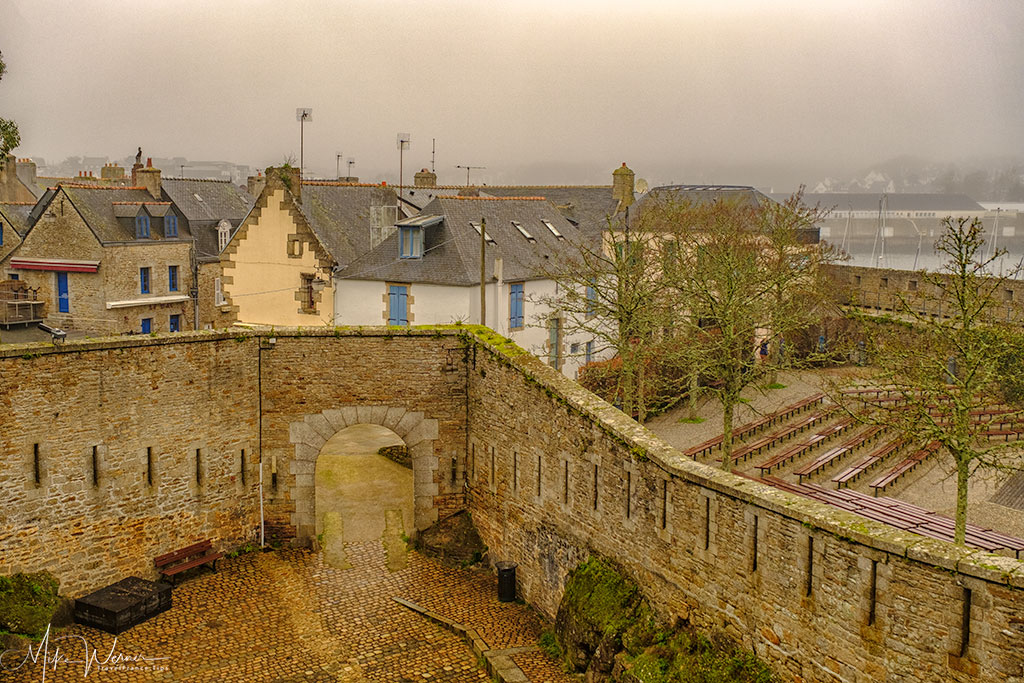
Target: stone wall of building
column 99, row 472
column 556, row 474
column 120, row 271
column 549, row 472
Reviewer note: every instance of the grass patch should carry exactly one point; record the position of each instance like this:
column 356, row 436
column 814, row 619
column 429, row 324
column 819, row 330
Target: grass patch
column 775, row 385
column 549, row 644
column 689, row 657
column 691, row 420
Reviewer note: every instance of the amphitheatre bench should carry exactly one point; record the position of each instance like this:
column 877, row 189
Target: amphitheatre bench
column 903, row 467
column 173, row 563
column 752, row 428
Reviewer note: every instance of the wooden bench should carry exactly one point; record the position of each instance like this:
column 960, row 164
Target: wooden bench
column 903, row 467
column 173, row 563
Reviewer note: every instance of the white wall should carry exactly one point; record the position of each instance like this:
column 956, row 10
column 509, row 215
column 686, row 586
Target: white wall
column 363, row 302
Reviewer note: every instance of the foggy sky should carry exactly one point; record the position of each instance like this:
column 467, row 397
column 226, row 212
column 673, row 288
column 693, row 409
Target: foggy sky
column 538, row 92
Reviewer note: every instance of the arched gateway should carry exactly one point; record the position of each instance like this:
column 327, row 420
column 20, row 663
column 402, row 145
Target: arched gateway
column 312, row 432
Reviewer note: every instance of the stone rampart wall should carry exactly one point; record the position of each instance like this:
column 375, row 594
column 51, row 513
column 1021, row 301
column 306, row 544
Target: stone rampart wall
column 555, row 474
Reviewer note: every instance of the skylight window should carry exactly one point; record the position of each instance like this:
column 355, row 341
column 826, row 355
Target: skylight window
column 523, row 231
column 476, row 226
column 553, row 229
column 198, row 198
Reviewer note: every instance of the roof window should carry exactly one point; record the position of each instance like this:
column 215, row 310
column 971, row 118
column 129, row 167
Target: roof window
column 523, row 231
column 553, row 229
column 487, row 237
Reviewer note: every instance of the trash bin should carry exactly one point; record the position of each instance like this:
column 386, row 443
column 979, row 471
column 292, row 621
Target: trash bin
column 506, row 581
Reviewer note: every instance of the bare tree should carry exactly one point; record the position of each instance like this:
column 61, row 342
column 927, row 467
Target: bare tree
column 609, row 293
column 746, row 280
column 953, row 361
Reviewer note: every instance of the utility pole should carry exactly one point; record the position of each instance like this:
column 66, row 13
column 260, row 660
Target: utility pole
column 403, row 144
column 302, row 114
column 470, row 168
column 483, row 271
column 350, row 161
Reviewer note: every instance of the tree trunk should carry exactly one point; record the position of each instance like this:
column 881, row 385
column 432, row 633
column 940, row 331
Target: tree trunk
column 727, row 408
column 960, row 526
column 691, row 396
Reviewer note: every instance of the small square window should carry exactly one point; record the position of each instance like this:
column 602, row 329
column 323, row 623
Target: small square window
column 912, row 286
column 294, row 247
column 147, row 325
column 1008, row 295
column 884, row 283
column 174, row 324
column 410, row 242
column 856, row 280
column 144, row 280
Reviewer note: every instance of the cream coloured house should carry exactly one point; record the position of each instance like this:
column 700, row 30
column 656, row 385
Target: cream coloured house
column 277, row 267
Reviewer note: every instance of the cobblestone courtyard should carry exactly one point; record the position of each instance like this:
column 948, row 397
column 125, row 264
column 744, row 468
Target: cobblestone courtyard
column 287, row 616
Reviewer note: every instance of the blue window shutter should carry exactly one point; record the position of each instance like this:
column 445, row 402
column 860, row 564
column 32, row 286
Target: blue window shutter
column 144, row 280
column 63, row 299
column 172, row 278
column 170, row 225
column 147, row 325
column 515, row 317
column 175, row 323
column 398, row 300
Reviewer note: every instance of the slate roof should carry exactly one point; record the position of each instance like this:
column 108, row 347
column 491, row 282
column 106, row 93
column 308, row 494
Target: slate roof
column 204, row 204
column 339, row 214
column 744, row 195
column 587, row 206
column 96, row 205
column 208, row 200
column 1011, row 494
column 897, row 201
column 17, row 215
column 452, row 247
column 418, row 197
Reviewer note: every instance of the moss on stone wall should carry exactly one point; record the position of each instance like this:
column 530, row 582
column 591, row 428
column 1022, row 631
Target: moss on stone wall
column 28, row 603
column 606, row 628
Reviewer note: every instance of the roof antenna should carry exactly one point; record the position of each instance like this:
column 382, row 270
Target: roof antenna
column 433, row 149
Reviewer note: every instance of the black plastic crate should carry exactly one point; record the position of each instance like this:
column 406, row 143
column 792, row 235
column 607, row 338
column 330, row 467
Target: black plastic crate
column 120, row 606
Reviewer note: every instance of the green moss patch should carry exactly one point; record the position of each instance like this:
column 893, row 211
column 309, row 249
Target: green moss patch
column 27, row 603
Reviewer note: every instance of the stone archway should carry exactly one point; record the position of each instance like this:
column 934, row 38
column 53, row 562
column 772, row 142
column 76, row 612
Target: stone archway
column 312, row 432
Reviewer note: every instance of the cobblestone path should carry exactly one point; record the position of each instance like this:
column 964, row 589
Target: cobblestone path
column 288, row 616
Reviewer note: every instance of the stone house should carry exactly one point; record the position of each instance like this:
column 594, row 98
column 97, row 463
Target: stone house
column 428, row 271
column 13, row 187
column 213, row 210
column 13, row 225
column 108, row 259
column 278, row 265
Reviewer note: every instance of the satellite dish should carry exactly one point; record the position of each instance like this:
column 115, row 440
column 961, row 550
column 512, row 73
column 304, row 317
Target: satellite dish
column 641, row 185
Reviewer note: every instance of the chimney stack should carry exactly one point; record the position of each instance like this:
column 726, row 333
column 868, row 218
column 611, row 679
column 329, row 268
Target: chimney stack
column 288, row 177
column 622, row 186
column 254, row 184
column 425, row 178
column 149, row 178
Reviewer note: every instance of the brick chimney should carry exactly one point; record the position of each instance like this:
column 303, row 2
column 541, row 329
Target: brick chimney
column 254, row 184
column 26, row 169
column 149, row 178
column 425, row 178
column 622, row 186
column 112, row 172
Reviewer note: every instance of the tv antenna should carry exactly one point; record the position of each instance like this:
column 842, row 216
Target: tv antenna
column 433, row 150
column 337, row 165
column 350, row 161
column 470, row 168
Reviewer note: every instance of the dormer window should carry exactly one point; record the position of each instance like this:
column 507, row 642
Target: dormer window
column 142, row 226
column 170, row 225
column 410, row 242
column 223, row 234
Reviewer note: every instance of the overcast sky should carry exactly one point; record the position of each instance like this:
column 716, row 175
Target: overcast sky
column 537, row 91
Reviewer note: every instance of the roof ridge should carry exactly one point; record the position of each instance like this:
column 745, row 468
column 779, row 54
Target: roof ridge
column 335, row 183
column 202, row 180
column 90, row 186
column 541, row 187
column 18, row 203
column 494, row 199
column 133, row 203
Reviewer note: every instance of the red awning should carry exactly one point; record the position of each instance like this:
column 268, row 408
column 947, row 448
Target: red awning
column 55, row 264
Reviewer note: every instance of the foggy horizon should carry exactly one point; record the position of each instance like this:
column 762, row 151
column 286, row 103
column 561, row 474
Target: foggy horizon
column 539, row 93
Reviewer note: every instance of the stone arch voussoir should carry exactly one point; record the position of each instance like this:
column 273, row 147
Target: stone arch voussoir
column 311, row 433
